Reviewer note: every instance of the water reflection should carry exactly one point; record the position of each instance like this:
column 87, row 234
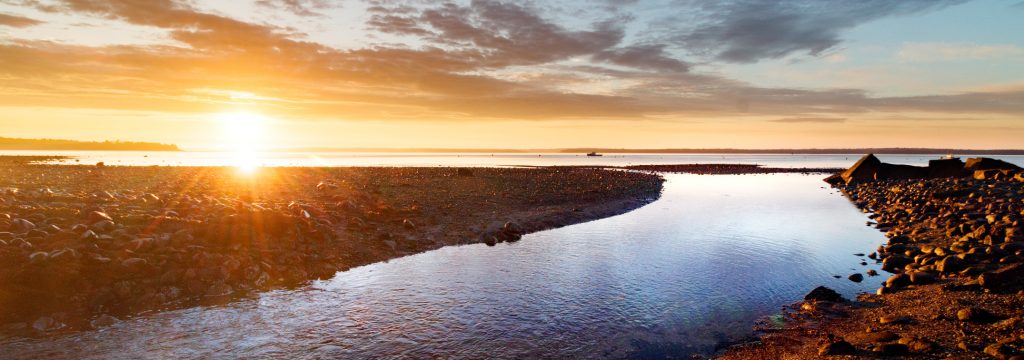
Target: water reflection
column 249, row 158
column 692, row 269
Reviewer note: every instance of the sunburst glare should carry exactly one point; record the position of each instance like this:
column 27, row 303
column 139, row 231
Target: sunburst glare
column 244, row 135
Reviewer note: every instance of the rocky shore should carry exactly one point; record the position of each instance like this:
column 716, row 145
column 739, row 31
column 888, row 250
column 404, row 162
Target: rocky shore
column 954, row 254
column 84, row 246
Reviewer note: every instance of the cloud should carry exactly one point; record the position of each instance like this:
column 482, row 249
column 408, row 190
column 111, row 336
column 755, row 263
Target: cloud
column 502, row 34
column 17, row 21
column 298, row 7
column 937, row 51
column 471, row 62
column 747, row 31
column 819, row 120
column 642, row 57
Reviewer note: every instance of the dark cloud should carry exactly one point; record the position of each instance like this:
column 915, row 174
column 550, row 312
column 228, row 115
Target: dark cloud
column 17, row 21
column 642, row 57
column 820, row 120
column 746, row 31
column 504, row 33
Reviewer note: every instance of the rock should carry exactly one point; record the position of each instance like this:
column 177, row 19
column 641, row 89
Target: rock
column 134, row 263
column 897, row 281
column 22, row 225
column 949, row 264
column 103, row 321
column 219, row 289
column 822, row 293
column 976, row 315
column 917, row 345
column 892, row 349
column 103, row 226
column 46, row 323
column 976, row 164
column 512, row 228
column 97, row 216
column 871, row 272
column 38, row 257
column 856, row 277
column 1003, row 278
column 895, row 263
column 151, row 198
column 880, row 336
column 408, row 224
column 897, row 320
column 921, row 278
column 840, row 347
column 89, row 235
column 998, row 351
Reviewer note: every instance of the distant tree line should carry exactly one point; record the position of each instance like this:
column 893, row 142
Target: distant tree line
column 55, row 144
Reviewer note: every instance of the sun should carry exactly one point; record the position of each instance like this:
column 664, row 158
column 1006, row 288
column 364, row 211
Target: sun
column 244, row 136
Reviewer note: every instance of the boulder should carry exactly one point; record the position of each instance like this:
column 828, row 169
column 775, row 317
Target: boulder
column 942, row 168
column 975, row 164
column 864, row 170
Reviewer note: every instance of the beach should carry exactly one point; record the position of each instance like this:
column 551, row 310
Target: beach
column 83, row 245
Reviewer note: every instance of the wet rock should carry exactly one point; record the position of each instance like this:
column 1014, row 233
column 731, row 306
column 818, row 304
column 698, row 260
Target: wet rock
column 871, row 272
column 840, row 347
column 822, row 293
column 856, row 277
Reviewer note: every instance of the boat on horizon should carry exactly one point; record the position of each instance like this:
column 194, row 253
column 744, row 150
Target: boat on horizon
column 593, row 154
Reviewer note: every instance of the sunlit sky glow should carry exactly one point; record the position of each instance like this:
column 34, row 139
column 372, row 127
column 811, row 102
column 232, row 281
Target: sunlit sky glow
column 525, row 74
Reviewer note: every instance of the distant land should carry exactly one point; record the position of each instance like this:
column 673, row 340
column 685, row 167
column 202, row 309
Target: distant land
column 898, row 151
column 54, row 144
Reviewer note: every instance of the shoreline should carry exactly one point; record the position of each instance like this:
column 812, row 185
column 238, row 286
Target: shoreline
column 955, row 287
column 86, row 245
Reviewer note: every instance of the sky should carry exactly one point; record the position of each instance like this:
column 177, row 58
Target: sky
column 522, row 74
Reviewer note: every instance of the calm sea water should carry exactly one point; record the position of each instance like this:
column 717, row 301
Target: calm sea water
column 418, row 159
column 693, row 269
